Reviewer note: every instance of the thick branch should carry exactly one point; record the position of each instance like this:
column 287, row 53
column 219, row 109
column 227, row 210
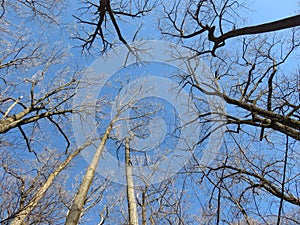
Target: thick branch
column 289, row 22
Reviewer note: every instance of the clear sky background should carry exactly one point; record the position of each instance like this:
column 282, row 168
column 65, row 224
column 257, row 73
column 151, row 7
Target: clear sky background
column 270, row 10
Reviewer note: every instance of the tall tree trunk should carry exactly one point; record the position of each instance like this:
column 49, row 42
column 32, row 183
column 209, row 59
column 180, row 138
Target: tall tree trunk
column 132, row 208
column 78, row 203
column 144, row 208
column 23, row 213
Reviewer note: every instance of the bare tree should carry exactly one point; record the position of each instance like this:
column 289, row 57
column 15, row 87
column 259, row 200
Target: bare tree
column 105, row 12
column 262, row 118
column 132, row 207
column 79, row 200
column 25, row 210
column 36, row 93
column 254, row 179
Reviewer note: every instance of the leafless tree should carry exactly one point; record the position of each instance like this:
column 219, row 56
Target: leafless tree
column 105, row 16
column 36, row 93
column 254, row 179
column 132, row 207
column 262, row 96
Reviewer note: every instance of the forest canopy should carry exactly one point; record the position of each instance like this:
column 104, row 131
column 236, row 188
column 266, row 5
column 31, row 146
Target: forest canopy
column 149, row 112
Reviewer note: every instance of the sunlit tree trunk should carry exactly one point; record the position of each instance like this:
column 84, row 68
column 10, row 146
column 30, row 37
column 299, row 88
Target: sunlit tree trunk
column 22, row 215
column 78, row 203
column 132, row 207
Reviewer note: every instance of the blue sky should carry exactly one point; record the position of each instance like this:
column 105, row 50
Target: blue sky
column 268, row 10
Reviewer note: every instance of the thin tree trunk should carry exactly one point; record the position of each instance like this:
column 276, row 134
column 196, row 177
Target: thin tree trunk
column 144, row 208
column 21, row 216
column 78, row 203
column 132, row 208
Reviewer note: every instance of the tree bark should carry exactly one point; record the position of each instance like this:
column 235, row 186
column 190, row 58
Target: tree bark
column 144, row 209
column 23, row 213
column 78, row 203
column 285, row 23
column 132, row 207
